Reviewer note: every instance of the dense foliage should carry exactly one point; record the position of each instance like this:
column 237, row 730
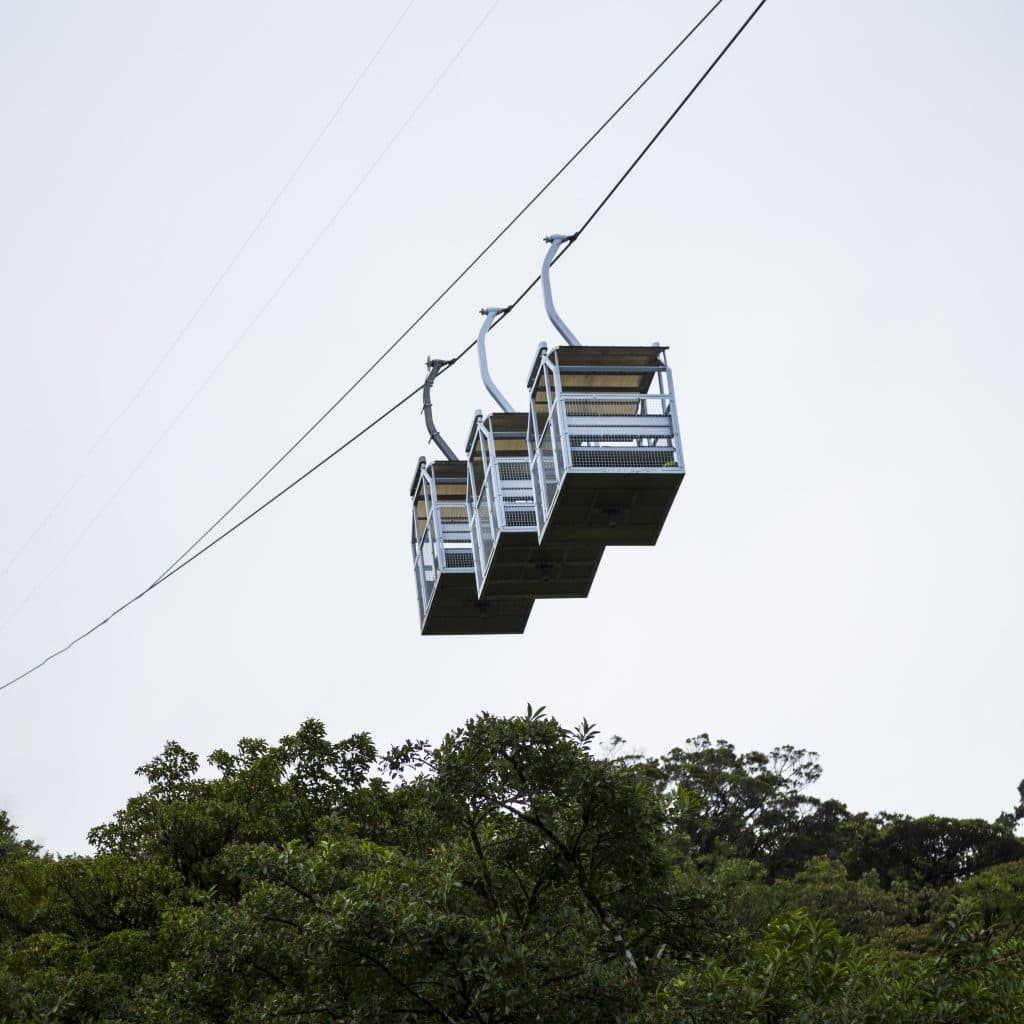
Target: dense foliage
column 515, row 872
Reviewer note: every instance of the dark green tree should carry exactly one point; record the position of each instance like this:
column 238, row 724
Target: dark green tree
column 749, row 805
column 262, row 793
column 10, row 845
column 509, row 874
column 932, row 851
column 1011, row 819
column 512, row 876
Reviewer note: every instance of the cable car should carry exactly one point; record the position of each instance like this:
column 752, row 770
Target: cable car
column 606, row 458
column 442, row 551
column 508, row 558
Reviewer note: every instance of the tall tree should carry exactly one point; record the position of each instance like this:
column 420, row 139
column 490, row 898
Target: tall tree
column 513, row 876
column 747, row 805
column 933, row 850
column 10, row 845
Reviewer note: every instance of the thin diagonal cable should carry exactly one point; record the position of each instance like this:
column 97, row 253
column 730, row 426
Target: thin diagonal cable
column 252, row 323
column 625, row 174
column 402, row 401
column 204, row 302
column 671, row 117
column 441, row 295
column 142, row 593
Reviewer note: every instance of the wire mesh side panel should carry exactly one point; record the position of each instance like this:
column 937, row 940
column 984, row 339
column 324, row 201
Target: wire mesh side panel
column 637, row 445
column 440, row 537
column 501, row 492
column 456, row 545
column 511, row 479
column 505, row 503
column 622, row 431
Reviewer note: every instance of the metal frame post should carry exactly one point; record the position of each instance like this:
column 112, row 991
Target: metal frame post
column 560, row 411
column 677, row 438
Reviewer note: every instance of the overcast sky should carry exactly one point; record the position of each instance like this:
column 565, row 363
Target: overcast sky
column 828, row 239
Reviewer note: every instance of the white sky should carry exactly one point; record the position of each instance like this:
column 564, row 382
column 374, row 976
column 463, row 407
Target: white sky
column 829, row 239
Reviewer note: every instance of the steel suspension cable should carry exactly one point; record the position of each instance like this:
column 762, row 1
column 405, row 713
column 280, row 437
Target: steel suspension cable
column 210, row 292
column 282, row 284
column 402, row 401
column 443, row 293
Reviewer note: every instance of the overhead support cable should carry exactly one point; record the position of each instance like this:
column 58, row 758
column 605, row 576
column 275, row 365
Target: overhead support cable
column 208, row 295
column 252, row 323
column 572, row 239
column 446, row 290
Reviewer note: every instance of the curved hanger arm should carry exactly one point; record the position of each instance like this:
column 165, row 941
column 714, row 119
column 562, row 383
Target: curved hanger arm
column 490, row 313
column 555, row 243
column 435, row 366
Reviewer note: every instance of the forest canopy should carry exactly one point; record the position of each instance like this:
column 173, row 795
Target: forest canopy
column 517, row 871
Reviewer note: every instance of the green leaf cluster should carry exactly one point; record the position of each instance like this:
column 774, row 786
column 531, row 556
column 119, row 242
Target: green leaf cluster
column 512, row 873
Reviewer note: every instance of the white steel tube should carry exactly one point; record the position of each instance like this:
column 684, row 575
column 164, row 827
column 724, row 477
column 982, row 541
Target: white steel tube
column 489, row 314
column 556, row 243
